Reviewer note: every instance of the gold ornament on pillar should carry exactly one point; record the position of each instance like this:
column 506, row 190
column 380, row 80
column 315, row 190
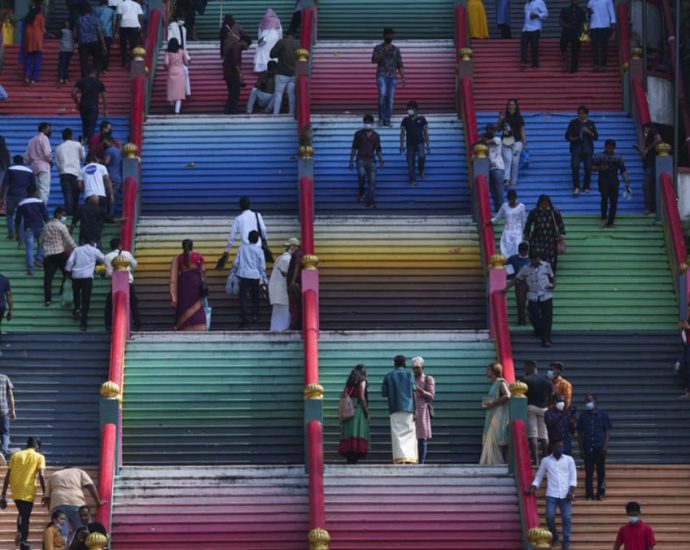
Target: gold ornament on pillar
column 302, row 54
column 310, row 262
column 120, row 263
column 481, row 151
column 683, row 267
column 539, row 537
column 636, row 53
column 319, row 539
column 466, row 54
column 130, row 151
column 518, row 389
column 306, row 151
column 139, row 53
column 96, row 541
column 497, row 261
column 110, row 390
column 663, row 149
column 313, row 392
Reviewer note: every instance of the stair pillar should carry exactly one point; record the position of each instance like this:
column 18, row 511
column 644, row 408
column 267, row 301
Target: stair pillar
column 517, row 409
column 664, row 163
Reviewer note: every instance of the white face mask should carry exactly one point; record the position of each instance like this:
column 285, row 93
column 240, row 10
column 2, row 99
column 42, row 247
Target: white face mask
column 560, row 405
column 633, row 519
column 367, row 126
column 410, row 112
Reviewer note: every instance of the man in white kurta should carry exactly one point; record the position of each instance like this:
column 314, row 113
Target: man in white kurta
column 278, row 288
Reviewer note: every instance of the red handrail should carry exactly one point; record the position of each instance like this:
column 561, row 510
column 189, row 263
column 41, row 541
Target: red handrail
column 460, row 30
column 152, row 38
column 107, row 473
column 504, row 348
column 469, row 115
column 486, row 230
column 317, row 509
column 306, row 196
column 623, row 33
column 307, row 33
column 311, row 336
column 640, row 99
column 523, row 475
column 136, row 117
column 129, row 205
column 672, row 217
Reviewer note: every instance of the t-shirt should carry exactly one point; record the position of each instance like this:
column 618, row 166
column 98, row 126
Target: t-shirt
column 539, row 389
column 87, row 27
column 130, row 12
column 90, row 89
column 65, row 487
column 512, row 127
column 4, row 288
column 114, row 165
column 232, row 59
column 66, row 40
column 92, row 175
column 638, row 536
column 516, row 263
column 414, row 130
column 106, row 16
column 24, row 465
column 366, row 144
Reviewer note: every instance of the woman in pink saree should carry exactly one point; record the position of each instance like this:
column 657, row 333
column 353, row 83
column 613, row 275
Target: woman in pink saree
column 187, row 277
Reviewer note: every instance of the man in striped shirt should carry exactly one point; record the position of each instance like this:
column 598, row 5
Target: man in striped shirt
column 57, row 244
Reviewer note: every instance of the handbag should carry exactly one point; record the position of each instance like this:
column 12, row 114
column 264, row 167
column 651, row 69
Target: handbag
column 524, row 160
column 268, row 255
column 561, row 244
column 346, row 409
column 66, row 296
column 232, row 285
column 430, row 406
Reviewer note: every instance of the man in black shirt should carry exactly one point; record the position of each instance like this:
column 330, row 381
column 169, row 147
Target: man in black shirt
column 262, row 92
column 609, row 164
column 571, row 19
column 85, row 95
column 366, row 146
column 652, row 138
column 539, row 390
column 91, row 218
column 581, row 133
column 414, row 133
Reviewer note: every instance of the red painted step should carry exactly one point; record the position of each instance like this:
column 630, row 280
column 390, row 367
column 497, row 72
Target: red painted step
column 45, row 98
column 344, row 78
column 498, row 76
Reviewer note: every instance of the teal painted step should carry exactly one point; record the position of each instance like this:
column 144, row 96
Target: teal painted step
column 457, row 361
column 363, row 19
column 611, row 279
column 247, row 12
column 201, row 399
column 29, row 312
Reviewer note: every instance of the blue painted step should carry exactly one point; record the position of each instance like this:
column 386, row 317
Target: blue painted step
column 444, row 190
column 56, row 380
column 202, row 165
column 18, row 130
column 549, row 169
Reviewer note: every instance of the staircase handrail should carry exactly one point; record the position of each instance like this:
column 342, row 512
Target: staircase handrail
column 675, row 241
column 623, row 35
column 469, row 115
column 522, row 469
column 641, row 107
column 460, row 31
column 154, row 34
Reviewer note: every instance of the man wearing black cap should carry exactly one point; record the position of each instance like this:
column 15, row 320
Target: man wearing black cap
column 389, row 63
column 634, row 535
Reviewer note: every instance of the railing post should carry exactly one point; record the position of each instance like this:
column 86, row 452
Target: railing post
column 624, row 44
column 319, row 539
column 663, row 163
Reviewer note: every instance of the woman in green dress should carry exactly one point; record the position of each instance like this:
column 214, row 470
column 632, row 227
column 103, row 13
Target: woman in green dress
column 496, row 422
column 354, row 437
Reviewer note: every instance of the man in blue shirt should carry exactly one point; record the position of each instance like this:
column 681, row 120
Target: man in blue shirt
column 32, row 215
column 112, row 160
column 593, row 433
column 399, row 387
column 250, row 268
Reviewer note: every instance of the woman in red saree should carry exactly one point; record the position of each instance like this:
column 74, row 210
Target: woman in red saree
column 187, row 276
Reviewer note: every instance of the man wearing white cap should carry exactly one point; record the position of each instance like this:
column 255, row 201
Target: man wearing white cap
column 278, row 287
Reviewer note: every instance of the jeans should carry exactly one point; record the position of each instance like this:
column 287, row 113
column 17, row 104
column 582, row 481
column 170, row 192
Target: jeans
column 264, row 99
column 283, row 82
column 29, row 236
column 511, row 160
column 129, row 38
column 89, row 117
column 649, row 187
column 70, row 192
column 600, row 46
column 24, row 508
column 531, row 39
column 32, row 65
column 72, row 513
column 63, row 65
column 595, row 458
column 566, row 508
column 43, row 185
column 366, row 179
column 422, row 448
column 86, row 50
column 81, row 295
column 581, row 154
column 51, row 264
column 541, row 317
column 609, row 201
column 133, row 308
column 568, row 38
column 386, row 86
column 496, row 187
column 247, row 287
column 412, row 152
column 10, row 209
column 5, row 430
column 233, row 84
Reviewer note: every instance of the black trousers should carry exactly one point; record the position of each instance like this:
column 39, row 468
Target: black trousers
column 505, row 31
column 249, row 288
column 531, row 39
column 521, row 300
column 24, row 509
column 133, row 308
column 595, row 458
column 89, row 49
column 89, row 117
column 569, row 39
column 129, row 39
column 70, row 190
column 649, row 186
column 581, row 154
column 233, row 84
column 105, row 61
column 600, row 46
column 81, row 294
column 541, row 317
column 50, row 266
column 609, row 201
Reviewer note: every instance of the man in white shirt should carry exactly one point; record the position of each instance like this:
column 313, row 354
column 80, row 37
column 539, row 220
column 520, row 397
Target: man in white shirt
column 560, row 490
column 116, row 251
column 250, row 268
column 94, row 180
column 81, row 264
column 602, row 20
column 535, row 13
column 68, row 156
column 243, row 224
column 128, row 24
column 496, row 164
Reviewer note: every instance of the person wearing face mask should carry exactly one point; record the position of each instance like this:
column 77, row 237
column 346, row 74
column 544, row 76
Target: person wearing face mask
column 560, row 423
column 560, row 384
column 414, row 141
column 593, row 433
column 389, row 63
column 366, row 146
column 57, row 245
column 560, row 490
column 634, row 535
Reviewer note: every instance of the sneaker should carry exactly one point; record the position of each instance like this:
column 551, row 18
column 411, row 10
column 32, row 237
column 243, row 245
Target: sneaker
column 576, row 192
column 370, row 206
column 360, row 197
column 29, row 273
column 82, row 328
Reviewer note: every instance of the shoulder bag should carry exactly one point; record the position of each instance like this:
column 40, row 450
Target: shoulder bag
column 346, row 409
column 268, row 255
column 561, row 245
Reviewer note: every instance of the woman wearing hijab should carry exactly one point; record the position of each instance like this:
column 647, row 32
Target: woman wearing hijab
column 544, row 229
column 174, row 63
column 269, row 32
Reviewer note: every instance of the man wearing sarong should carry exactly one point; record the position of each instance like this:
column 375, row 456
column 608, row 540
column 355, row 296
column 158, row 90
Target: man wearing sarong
column 399, row 386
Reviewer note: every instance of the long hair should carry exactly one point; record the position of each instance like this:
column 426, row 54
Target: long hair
column 56, row 514
column 33, row 12
column 517, row 107
column 357, row 376
column 4, row 154
column 187, row 247
column 173, row 45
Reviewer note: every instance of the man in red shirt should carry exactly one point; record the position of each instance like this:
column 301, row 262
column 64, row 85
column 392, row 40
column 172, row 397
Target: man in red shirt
column 232, row 71
column 635, row 535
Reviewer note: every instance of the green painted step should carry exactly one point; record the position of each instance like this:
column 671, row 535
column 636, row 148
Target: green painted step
column 247, row 12
column 456, row 360
column 213, row 399
column 29, row 312
column 611, row 279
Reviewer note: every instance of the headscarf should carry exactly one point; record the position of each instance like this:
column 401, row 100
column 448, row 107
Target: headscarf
column 270, row 20
column 545, row 198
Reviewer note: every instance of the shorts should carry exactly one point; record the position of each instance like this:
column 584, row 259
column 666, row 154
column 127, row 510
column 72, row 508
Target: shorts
column 536, row 427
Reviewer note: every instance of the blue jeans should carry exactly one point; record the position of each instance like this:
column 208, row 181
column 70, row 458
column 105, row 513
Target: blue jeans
column 366, row 179
column 566, row 507
column 72, row 513
column 63, row 65
column 422, row 446
column 581, row 154
column 29, row 236
column 33, row 61
column 496, row 187
column 5, row 430
column 412, row 152
column 386, row 87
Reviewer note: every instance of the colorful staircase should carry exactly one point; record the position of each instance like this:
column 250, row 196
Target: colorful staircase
column 159, row 240
column 429, row 69
column 46, row 99
column 222, row 508
column 549, row 169
column 456, row 360
column 550, row 26
column 201, row 166
column 386, row 273
column 445, row 189
column 448, row 507
column 247, row 12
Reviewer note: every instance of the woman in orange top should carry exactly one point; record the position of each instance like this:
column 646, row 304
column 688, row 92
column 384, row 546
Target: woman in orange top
column 52, row 536
column 34, row 31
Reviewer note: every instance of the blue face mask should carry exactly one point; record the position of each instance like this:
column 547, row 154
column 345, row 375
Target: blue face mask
column 551, row 374
column 590, row 406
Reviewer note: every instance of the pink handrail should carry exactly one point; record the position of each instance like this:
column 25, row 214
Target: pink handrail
column 152, row 38
column 469, row 115
column 640, row 101
column 523, row 474
column 317, row 500
column 106, row 474
column 460, row 30
column 672, row 217
column 623, row 33
column 504, row 348
column 486, row 230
